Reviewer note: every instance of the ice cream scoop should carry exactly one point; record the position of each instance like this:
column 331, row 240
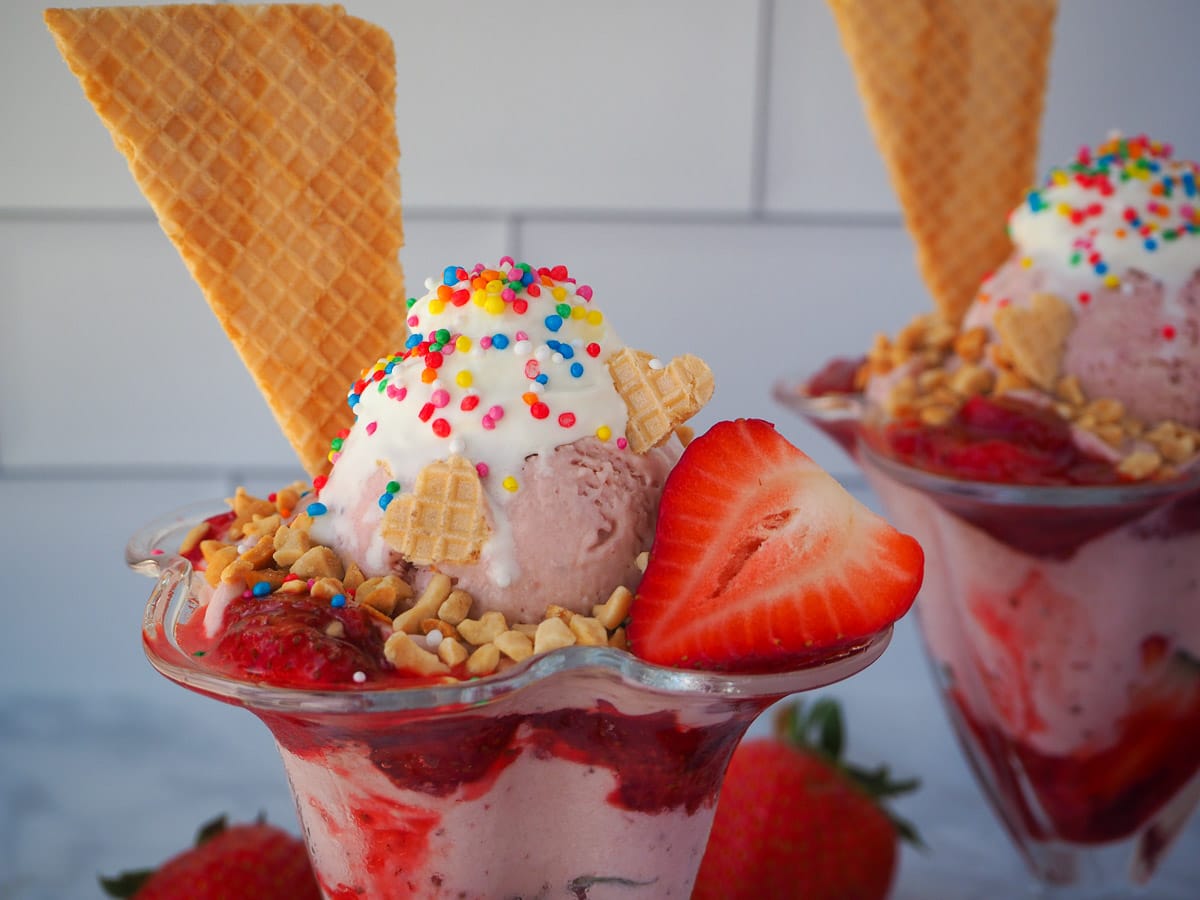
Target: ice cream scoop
column 1115, row 234
column 506, row 368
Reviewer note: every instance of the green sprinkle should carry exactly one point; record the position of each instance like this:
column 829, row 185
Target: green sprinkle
column 564, row 310
column 393, row 487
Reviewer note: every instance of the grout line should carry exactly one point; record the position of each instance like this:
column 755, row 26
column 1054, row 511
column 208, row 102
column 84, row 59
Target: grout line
column 519, row 217
column 760, row 124
column 145, row 472
column 514, row 232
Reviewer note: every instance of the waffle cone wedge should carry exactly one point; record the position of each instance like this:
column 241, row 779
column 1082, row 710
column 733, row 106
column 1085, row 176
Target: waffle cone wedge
column 264, row 138
column 658, row 397
column 953, row 91
column 443, row 519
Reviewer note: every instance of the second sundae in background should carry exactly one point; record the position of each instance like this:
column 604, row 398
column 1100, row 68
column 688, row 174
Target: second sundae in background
column 1038, row 433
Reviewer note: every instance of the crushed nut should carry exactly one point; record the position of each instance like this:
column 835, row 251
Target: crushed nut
column 642, row 560
column 192, row 539
column 456, row 607
column 969, row 345
column 936, row 414
column 452, row 652
column 445, row 629
column 484, row 629
column 971, row 379
column 353, row 578
column 1070, row 390
column 260, row 554
column 618, row 639
column 218, row 556
column 588, row 631
column 407, row 655
column 613, row 611
column 319, row 562
column 484, row 660
column 286, row 500
column 325, row 588
column 551, row 634
column 514, row 645
column 260, row 525
column 273, row 577
column 554, row 611
column 383, row 593
column 426, row 606
column 1140, row 464
column 336, row 629
column 290, row 544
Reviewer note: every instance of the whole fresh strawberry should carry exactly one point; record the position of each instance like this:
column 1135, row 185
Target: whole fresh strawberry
column 240, row 862
column 763, row 562
column 795, row 821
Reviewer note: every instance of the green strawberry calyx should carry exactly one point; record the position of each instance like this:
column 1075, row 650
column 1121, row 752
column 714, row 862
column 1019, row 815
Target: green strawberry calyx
column 818, row 729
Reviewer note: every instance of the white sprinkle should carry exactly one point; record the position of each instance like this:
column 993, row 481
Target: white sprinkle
column 542, row 353
column 522, row 348
column 656, row 363
column 359, row 677
column 430, row 284
column 433, row 639
column 557, row 357
column 457, row 446
column 244, row 546
column 537, row 388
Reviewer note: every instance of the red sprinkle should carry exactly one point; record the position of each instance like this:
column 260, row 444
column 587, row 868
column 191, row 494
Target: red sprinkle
column 426, row 412
column 460, row 297
column 441, row 428
column 1168, row 332
column 566, row 420
column 533, row 290
column 319, row 482
column 539, row 410
column 434, row 360
column 469, row 402
column 520, row 305
column 1085, row 297
column 593, row 349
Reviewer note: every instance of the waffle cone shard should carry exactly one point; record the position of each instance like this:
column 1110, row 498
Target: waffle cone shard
column 264, row 139
column 953, row 91
column 443, row 518
column 658, row 398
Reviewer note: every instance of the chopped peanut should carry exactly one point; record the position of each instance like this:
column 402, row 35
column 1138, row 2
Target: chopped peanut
column 484, row 629
column 613, row 611
column 319, row 562
column 192, row 539
column 407, row 655
column 452, row 652
column 426, row 606
column 514, row 645
column 589, row 631
column 456, row 607
column 484, row 660
column 553, row 633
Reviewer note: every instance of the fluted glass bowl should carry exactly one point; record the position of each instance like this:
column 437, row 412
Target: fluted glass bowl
column 580, row 772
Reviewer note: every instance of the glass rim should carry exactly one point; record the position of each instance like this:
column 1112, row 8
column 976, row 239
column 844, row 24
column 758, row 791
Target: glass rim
column 147, row 553
column 842, row 408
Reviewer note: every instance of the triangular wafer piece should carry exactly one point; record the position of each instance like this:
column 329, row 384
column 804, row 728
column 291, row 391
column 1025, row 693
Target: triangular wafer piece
column 442, row 519
column 1036, row 336
column 264, row 138
column 953, row 91
column 658, row 397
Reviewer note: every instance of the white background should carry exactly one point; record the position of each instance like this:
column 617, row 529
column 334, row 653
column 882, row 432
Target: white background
column 704, row 165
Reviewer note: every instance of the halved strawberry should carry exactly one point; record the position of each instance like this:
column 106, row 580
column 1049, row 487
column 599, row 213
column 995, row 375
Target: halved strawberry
column 763, row 562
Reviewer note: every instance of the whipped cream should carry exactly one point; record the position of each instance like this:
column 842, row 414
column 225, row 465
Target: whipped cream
column 501, row 364
column 1127, row 206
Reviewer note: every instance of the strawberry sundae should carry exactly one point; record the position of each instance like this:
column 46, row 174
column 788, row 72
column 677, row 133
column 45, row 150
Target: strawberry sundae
column 1044, row 450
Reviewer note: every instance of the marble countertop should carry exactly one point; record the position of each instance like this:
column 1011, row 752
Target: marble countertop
column 104, row 765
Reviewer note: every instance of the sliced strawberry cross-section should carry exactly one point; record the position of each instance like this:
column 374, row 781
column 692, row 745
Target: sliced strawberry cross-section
column 763, row 562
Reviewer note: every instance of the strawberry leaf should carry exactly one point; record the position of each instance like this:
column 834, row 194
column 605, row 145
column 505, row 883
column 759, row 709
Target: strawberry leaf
column 127, row 884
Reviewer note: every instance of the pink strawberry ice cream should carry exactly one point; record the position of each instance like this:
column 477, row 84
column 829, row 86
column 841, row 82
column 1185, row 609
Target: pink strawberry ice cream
column 514, row 380
column 1117, row 235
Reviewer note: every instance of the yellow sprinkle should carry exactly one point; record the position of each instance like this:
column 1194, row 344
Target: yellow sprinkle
column 1111, row 281
column 510, row 484
column 479, row 297
column 578, row 312
column 494, row 305
column 559, row 293
column 1026, row 262
column 436, row 307
column 462, row 344
column 1060, row 178
column 495, row 286
column 1063, row 209
column 604, row 432
column 464, row 379
column 595, row 317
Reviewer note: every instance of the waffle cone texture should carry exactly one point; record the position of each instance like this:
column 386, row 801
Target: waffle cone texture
column 953, row 91
column 264, row 138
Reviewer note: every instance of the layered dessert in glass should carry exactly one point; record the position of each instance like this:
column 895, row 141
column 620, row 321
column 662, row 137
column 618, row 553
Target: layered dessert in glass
column 1043, row 450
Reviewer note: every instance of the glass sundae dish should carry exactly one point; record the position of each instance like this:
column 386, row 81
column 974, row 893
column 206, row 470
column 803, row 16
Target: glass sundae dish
column 1043, row 451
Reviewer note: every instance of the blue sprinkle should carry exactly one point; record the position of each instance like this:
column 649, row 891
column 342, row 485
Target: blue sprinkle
column 566, row 350
column 1189, row 184
column 317, row 509
column 554, row 345
column 387, row 370
column 499, row 341
column 261, row 589
column 353, row 400
column 413, row 339
column 528, row 277
column 1101, row 268
column 576, row 369
column 337, row 600
column 1150, row 244
column 1035, row 201
column 450, row 276
column 385, row 499
column 554, row 322
column 542, row 378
